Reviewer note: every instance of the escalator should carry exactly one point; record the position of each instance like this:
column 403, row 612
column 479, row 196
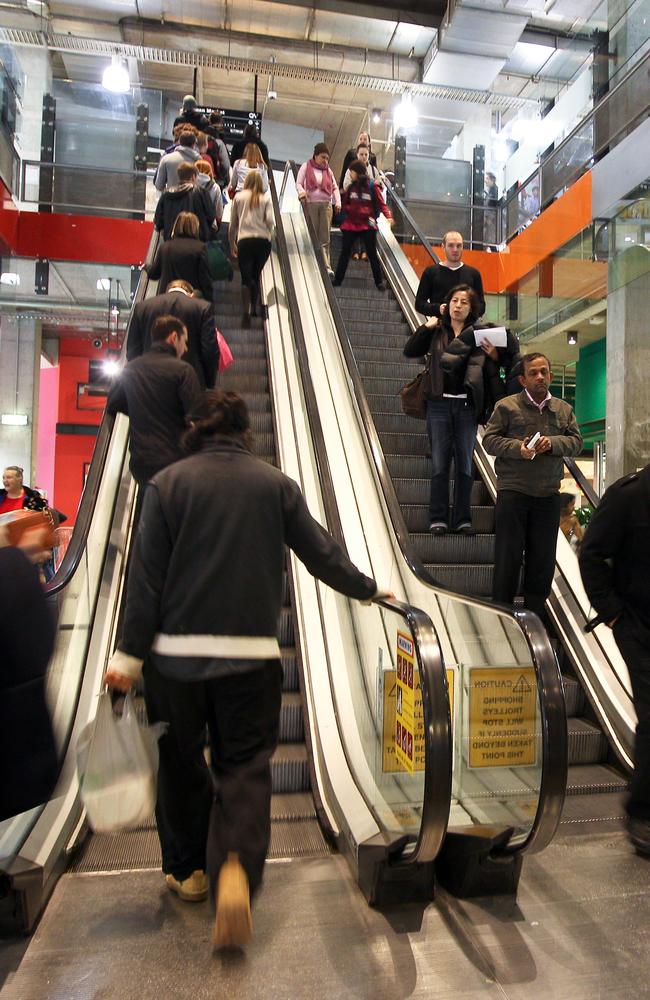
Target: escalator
column 373, row 328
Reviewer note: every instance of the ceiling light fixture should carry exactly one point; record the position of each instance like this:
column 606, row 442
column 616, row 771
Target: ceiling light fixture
column 375, row 117
column 406, row 115
column 116, row 77
column 103, row 285
column 572, row 338
column 9, row 278
column 14, row 419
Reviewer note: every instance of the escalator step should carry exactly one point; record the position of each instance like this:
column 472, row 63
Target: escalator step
column 387, row 404
column 589, row 779
column 587, row 744
column 376, row 335
column 291, row 725
column 417, row 518
column 391, row 386
column 408, row 443
column 256, row 402
column 403, row 368
column 372, row 313
column 474, row 550
column 246, row 366
column 261, row 422
column 289, row 659
column 475, row 580
column 573, row 696
column 285, row 632
column 290, row 768
column 243, row 383
column 245, row 348
column 399, row 423
column 366, row 347
column 416, row 491
column 300, row 805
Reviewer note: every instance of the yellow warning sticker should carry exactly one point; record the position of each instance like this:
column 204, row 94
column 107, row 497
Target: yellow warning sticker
column 502, row 716
column 390, row 761
column 405, row 702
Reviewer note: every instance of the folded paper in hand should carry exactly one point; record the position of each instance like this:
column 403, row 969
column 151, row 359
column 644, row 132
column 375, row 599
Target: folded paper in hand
column 495, row 334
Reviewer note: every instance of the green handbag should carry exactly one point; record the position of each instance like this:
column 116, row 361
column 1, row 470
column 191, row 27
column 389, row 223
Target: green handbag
column 218, row 264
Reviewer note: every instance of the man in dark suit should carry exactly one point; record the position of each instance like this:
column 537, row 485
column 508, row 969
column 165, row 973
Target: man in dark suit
column 197, row 316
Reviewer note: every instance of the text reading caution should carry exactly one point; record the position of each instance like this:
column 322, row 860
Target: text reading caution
column 502, row 717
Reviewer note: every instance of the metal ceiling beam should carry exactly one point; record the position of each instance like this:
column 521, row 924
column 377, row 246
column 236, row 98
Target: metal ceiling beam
column 175, row 57
column 425, row 13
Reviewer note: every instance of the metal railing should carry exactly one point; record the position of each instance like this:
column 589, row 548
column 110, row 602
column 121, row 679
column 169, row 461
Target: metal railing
column 83, row 188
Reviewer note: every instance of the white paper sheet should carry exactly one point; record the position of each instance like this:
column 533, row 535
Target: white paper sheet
column 495, row 334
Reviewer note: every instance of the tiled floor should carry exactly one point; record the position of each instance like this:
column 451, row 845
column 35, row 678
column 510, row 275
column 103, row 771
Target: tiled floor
column 579, row 928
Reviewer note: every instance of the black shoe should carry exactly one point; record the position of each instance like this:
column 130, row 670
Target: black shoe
column 438, row 528
column 465, row 529
column 337, row 284
column 638, row 830
column 381, row 287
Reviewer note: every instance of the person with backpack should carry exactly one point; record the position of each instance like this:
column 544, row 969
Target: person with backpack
column 361, row 204
column 318, row 192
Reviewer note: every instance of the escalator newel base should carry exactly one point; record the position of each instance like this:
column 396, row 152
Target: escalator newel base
column 469, row 863
column 385, row 879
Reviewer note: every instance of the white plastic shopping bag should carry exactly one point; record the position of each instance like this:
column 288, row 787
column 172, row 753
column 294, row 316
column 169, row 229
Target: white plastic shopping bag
column 117, row 762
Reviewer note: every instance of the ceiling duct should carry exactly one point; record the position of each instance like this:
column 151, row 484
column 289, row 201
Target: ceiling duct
column 474, row 42
column 57, row 42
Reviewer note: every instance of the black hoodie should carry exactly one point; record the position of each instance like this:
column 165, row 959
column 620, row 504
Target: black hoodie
column 184, row 198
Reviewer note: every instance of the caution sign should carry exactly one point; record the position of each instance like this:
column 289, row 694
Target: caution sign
column 405, row 703
column 390, row 762
column 502, row 717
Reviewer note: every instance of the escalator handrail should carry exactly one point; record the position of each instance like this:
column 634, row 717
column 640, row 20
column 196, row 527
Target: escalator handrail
column 438, row 746
column 551, row 696
column 411, row 221
column 86, row 510
column 582, row 481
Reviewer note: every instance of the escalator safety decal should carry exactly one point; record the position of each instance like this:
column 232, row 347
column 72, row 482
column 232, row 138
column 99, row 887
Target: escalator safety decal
column 502, row 717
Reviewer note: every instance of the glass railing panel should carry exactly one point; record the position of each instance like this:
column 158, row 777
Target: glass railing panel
column 498, row 752
column 564, row 166
column 70, row 283
column 437, row 218
column 78, row 189
column 523, row 206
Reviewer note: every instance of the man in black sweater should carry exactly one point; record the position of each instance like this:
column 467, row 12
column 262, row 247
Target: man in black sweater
column 439, row 279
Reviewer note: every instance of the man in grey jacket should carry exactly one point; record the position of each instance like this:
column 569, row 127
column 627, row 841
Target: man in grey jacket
column 185, row 152
column 530, row 433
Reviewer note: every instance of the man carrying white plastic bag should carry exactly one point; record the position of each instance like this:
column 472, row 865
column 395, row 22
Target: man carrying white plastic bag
column 117, row 761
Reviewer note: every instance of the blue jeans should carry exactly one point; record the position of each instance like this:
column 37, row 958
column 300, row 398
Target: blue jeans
column 451, row 425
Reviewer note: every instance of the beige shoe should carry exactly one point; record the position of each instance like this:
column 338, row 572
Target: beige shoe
column 192, row 889
column 233, row 925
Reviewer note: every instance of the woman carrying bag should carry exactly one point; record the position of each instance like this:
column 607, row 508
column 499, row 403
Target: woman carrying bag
column 251, row 228
column 464, row 385
column 320, row 195
column 362, row 204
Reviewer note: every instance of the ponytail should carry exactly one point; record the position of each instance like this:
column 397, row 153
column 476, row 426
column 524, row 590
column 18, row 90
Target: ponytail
column 225, row 414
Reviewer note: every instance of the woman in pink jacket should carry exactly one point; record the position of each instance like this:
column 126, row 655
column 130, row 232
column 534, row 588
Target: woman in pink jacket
column 318, row 191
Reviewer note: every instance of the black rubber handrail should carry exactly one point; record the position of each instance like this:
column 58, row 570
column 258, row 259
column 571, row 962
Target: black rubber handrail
column 411, row 221
column 582, row 481
column 86, row 510
column 435, row 697
column 549, row 682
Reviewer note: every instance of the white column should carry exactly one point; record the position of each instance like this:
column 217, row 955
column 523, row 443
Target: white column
column 20, row 341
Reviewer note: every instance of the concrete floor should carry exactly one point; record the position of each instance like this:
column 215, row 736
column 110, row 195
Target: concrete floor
column 579, row 928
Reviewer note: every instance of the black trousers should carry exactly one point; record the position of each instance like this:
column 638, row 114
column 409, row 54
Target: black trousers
column 369, row 239
column 252, row 254
column 633, row 641
column 201, row 816
column 525, row 530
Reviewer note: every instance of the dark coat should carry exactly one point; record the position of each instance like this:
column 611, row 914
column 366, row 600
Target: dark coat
column 438, row 280
column 183, row 258
column 195, row 118
column 211, row 553
column 615, row 552
column 198, row 317
column 159, row 393
column 184, row 198
column 31, row 501
column 28, row 755
column 458, row 366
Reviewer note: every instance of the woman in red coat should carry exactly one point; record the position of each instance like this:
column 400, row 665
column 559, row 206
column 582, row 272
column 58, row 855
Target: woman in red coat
column 362, row 204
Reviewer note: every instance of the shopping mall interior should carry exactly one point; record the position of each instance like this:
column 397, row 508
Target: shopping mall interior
column 491, row 859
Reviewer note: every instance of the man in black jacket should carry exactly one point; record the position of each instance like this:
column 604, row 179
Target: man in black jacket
column 159, row 394
column 186, row 197
column 190, row 115
column 196, row 315
column 615, row 567
column 439, row 279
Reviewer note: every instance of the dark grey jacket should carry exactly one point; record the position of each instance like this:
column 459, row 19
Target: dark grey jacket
column 208, row 564
column 516, row 418
column 198, row 317
column 159, row 393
